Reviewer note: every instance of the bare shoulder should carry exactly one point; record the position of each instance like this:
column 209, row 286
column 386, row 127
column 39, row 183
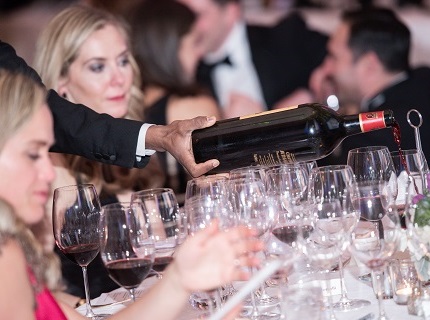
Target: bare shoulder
column 17, row 302
column 11, row 253
column 189, row 107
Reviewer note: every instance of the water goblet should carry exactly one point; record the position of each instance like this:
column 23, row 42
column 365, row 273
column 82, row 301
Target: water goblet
column 76, row 217
column 127, row 248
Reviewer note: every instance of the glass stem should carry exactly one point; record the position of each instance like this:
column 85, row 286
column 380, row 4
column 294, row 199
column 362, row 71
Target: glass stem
column 343, row 291
column 379, row 287
column 132, row 294
column 331, row 316
column 89, row 313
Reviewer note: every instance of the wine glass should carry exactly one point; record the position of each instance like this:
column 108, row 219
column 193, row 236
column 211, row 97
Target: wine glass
column 371, row 166
column 127, row 248
column 330, row 220
column 409, row 163
column 213, row 188
column 201, row 212
column 373, row 163
column 254, row 210
column 76, row 217
column 164, row 216
column 255, row 172
column 374, row 243
column 286, row 186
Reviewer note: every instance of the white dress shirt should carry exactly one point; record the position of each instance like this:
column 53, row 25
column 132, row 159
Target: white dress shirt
column 141, row 150
column 239, row 77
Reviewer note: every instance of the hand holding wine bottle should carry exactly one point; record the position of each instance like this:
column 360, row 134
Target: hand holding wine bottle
column 305, row 132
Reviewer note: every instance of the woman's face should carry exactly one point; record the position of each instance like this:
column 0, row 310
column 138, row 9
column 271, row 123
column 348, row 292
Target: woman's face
column 101, row 77
column 190, row 52
column 26, row 171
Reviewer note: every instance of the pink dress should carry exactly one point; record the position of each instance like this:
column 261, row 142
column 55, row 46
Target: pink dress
column 46, row 307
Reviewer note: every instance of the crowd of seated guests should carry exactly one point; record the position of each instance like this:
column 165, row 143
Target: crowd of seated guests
column 29, row 274
column 199, row 57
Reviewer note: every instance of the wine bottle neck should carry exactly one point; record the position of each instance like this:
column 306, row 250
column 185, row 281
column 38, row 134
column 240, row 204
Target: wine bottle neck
column 368, row 121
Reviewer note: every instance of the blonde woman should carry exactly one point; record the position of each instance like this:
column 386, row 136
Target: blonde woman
column 28, row 277
column 84, row 54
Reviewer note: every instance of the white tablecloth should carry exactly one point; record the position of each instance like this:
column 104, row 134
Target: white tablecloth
column 356, row 289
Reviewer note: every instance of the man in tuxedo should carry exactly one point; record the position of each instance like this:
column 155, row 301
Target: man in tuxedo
column 253, row 64
column 368, row 61
column 79, row 130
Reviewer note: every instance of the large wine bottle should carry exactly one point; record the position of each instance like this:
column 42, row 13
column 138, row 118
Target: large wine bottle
column 306, row 132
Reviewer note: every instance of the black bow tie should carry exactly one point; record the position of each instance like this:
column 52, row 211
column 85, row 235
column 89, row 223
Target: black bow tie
column 208, row 67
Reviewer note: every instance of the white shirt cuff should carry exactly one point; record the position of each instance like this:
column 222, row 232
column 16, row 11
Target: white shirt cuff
column 141, row 151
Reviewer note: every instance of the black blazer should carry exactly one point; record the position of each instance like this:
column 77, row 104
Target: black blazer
column 412, row 93
column 284, row 56
column 80, row 130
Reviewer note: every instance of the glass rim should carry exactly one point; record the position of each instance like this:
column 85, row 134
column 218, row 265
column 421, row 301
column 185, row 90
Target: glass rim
column 152, row 192
column 76, row 186
column 369, row 148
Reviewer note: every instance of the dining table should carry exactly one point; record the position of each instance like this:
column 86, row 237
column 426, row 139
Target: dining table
column 114, row 301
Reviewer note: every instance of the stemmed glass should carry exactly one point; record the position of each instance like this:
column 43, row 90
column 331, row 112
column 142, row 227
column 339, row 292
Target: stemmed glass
column 412, row 166
column 372, row 166
column 76, row 217
column 286, row 186
column 330, row 220
column 206, row 193
column 127, row 248
column 201, row 212
column 254, row 210
column 164, row 218
column 374, row 243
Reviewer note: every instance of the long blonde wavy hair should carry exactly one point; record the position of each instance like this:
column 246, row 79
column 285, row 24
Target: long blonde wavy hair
column 56, row 49
column 20, row 98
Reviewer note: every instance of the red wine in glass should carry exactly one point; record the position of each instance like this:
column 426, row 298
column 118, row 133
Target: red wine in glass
column 161, row 263
column 81, row 254
column 129, row 273
column 288, row 234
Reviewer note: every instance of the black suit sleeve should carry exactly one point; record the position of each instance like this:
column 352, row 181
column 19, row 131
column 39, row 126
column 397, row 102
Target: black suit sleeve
column 80, row 130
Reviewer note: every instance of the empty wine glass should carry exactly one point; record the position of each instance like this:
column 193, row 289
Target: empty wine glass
column 254, row 210
column 209, row 189
column 127, row 248
column 373, row 166
column 331, row 219
column 253, row 172
column 411, row 163
column 201, row 212
column 163, row 215
column 76, row 217
column 374, row 243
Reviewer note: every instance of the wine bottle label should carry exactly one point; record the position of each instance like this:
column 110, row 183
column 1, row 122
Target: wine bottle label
column 274, row 158
column 371, row 120
column 267, row 112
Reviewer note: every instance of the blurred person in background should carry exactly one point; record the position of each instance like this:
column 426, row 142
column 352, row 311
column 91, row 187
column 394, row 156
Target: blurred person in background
column 167, row 49
column 84, row 54
column 368, row 64
column 251, row 68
